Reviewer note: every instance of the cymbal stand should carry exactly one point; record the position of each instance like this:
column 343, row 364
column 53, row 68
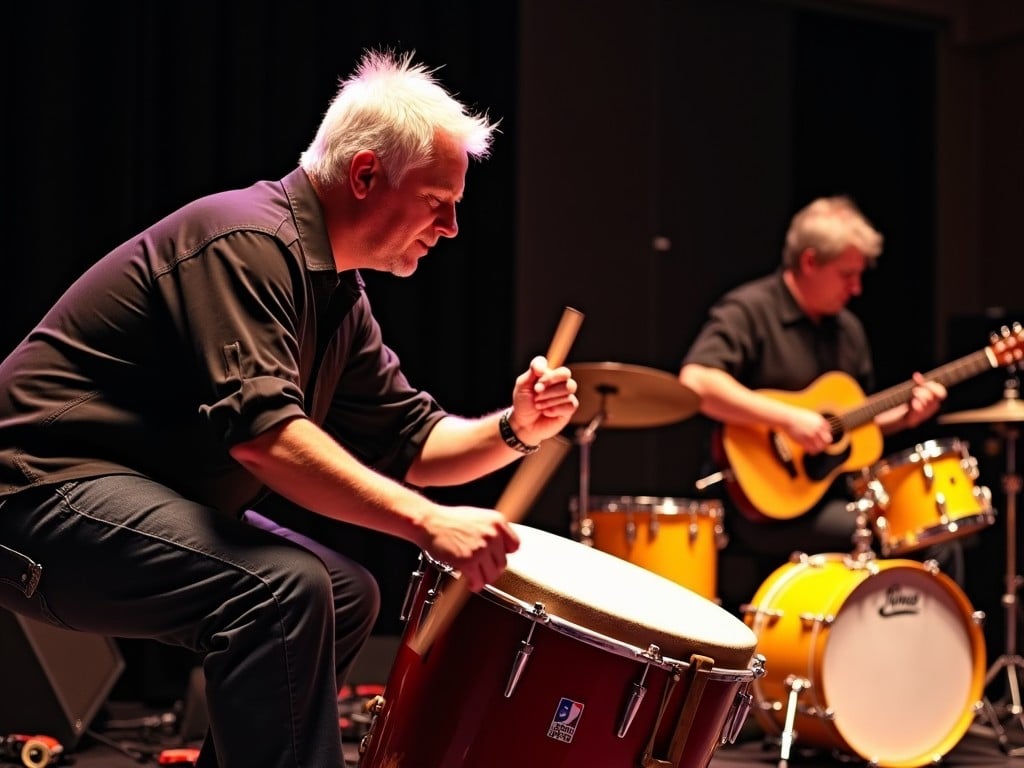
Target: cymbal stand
column 1010, row 660
column 585, row 436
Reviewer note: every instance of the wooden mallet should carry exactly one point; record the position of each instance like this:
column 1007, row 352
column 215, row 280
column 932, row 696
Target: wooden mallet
column 532, row 474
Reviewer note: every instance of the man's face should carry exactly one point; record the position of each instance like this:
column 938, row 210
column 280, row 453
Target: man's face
column 832, row 284
column 408, row 220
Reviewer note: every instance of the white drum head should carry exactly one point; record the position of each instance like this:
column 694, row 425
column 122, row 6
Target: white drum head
column 898, row 666
column 626, row 602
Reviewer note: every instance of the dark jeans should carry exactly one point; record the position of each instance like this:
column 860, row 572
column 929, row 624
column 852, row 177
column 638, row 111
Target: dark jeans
column 277, row 617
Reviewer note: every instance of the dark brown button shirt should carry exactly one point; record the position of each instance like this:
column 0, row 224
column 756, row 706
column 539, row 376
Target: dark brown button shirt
column 758, row 334
column 215, row 324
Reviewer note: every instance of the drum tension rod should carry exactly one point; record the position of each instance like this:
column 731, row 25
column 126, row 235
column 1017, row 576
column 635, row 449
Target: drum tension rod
column 742, row 703
column 694, row 529
column 431, row 598
column 636, row 698
column 929, row 475
column 523, row 654
column 411, row 589
column 940, row 507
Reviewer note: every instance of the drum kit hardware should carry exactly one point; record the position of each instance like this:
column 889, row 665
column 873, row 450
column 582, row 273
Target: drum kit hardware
column 619, row 396
column 1004, row 417
column 922, row 496
column 822, row 619
column 674, row 537
column 609, row 647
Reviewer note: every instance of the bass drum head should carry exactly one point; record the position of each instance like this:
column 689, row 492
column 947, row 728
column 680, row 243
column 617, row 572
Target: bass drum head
column 903, row 666
column 618, row 599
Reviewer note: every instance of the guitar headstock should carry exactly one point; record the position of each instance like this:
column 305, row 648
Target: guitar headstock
column 1008, row 345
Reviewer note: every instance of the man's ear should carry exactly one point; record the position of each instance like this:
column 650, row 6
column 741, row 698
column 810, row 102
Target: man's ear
column 362, row 170
column 808, row 259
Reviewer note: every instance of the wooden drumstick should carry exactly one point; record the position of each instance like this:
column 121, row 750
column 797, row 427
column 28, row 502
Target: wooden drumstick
column 532, row 474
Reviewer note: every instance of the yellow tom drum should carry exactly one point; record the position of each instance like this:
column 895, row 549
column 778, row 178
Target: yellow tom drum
column 923, row 496
column 673, row 537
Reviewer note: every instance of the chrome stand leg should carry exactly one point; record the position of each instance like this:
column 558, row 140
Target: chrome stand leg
column 1010, row 660
column 795, row 685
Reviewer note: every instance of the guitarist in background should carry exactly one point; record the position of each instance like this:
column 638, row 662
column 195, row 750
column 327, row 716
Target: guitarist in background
column 782, row 331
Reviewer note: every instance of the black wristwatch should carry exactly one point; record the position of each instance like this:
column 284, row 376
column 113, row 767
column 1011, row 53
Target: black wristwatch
column 511, row 438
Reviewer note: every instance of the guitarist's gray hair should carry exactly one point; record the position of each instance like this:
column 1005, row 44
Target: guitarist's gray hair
column 829, row 225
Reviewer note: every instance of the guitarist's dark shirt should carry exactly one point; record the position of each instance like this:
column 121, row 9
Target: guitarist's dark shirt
column 759, row 335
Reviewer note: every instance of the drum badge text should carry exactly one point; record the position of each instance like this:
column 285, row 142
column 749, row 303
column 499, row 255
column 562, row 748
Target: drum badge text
column 567, row 717
column 899, row 602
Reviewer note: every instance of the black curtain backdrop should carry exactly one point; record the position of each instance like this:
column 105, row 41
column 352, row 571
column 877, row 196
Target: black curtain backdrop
column 121, row 112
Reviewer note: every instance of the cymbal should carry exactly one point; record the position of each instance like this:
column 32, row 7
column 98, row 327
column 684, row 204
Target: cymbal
column 1008, row 409
column 631, row 395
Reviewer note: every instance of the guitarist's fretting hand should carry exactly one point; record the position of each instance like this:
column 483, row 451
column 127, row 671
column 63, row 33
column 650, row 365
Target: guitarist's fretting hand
column 925, row 399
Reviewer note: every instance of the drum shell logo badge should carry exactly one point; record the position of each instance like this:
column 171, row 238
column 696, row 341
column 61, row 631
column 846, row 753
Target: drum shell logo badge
column 566, row 719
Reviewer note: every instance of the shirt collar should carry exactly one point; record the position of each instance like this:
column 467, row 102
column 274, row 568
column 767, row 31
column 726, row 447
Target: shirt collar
column 791, row 312
column 309, row 221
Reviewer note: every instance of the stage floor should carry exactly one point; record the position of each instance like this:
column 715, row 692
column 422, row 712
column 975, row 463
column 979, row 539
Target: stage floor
column 978, row 749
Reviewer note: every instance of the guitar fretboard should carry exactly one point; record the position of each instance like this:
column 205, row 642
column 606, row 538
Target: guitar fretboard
column 947, row 375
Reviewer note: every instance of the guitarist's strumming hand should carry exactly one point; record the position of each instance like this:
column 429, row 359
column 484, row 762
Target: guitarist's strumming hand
column 925, row 399
column 809, row 429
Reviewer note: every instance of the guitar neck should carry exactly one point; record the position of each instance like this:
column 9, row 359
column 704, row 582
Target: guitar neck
column 947, row 375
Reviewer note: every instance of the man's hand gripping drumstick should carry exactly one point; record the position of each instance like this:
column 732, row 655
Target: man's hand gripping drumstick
column 541, row 413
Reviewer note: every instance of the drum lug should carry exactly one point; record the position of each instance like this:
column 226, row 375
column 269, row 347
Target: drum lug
column 721, row 537
column 373, row 708
column 411, row 589
column 978, row 617
column 817, row 618
column 630, row 530
column 749, row 609
column 524, row 653
column 694, row 529
column 862, row 561
column 932, row 566
column 587, row 531
column 940, row 507
column 929, row 475
column 741, row 705
column 653, row 524
column 983, row 495
column 737, row 716
column 430, row 599
column 636, row 698
column 969, row 465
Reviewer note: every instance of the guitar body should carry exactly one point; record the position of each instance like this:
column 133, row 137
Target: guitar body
column 772, row 477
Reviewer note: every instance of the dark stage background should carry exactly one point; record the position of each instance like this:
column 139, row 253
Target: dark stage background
column 651, row 154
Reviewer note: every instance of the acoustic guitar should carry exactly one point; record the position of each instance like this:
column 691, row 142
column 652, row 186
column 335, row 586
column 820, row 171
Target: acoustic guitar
column 770, row 477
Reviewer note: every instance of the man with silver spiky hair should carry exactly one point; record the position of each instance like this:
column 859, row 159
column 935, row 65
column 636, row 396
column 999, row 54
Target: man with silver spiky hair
column 230, row 351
